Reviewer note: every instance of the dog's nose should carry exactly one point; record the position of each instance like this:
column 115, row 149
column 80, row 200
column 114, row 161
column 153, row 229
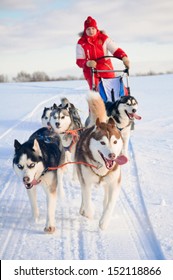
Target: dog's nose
column 57, row 124
column 111, row 156
column 26, row 179
column 134, row 110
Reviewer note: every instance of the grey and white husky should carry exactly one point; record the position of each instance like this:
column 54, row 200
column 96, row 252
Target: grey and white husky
column 99, row 149
column 124, row 112
column 30, row 163
column 66, row 122
column 65, row 118
column 45, row 118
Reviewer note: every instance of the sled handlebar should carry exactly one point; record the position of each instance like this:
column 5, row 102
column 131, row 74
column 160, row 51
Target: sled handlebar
column 126, row 70
column 94, row 70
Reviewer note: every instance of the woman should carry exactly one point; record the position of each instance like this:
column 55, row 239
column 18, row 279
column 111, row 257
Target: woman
column 92, row 45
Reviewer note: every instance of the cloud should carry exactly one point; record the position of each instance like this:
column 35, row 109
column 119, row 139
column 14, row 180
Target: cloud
column 24, row 5
column 16, row 4
column 47, row 25
column 37, row 26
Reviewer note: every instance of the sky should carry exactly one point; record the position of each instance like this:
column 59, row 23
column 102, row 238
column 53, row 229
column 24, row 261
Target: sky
column 41, row 35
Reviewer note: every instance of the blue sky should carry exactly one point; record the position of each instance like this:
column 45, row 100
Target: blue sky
column 41, row 35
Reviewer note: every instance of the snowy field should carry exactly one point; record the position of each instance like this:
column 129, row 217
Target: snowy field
column 142, row 224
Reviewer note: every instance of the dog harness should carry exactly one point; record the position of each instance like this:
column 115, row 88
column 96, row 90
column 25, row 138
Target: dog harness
column 100, row 177
column 75, row 138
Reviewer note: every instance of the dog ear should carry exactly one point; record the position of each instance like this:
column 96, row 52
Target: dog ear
column 111, row 121
column 17, row 145
column 97, row 122
column 66, row 106
column 54, row 107
column 36, row 147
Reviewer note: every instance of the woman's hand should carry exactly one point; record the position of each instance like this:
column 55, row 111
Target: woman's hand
column 91, row 63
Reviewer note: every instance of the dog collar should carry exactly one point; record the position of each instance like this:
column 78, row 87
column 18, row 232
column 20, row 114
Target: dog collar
column 100, row 177
column 120, row 129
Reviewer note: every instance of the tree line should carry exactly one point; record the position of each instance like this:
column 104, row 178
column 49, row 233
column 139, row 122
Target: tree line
column 38, row 76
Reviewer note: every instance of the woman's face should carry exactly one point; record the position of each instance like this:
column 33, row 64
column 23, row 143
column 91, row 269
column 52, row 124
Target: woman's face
column 91, row 31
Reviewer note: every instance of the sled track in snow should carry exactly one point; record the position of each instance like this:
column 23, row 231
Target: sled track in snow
column 138, row 219
column 13, row 214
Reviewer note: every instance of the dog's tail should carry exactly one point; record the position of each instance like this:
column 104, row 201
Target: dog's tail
column 96, row 107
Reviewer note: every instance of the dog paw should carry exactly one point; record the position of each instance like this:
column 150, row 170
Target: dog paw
column 49, row 230
column 87, row 214
column 103, row 225
column 34, row 220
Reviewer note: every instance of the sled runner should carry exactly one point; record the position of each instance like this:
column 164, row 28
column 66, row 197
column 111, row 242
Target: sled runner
column 111, row 89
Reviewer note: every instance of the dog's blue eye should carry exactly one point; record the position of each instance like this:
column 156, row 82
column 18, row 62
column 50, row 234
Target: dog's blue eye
column 102, row 142
column 20, row 166
column 31, row 165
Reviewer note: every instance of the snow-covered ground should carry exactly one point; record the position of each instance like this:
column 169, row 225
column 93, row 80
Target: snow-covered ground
column 142, row 223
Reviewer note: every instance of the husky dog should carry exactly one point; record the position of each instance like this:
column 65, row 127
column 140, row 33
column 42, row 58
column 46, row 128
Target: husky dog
column 66, row 122
column 31, row 161
column 65, row 117
column 45, row 118
column 99, row 148
column 124, row 112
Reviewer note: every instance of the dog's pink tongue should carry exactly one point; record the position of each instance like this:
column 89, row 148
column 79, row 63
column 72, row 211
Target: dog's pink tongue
column 136, row 116
column 121, row 160
column 35, row 182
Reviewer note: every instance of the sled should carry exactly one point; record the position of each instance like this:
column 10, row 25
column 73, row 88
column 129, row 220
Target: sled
column 112, row 89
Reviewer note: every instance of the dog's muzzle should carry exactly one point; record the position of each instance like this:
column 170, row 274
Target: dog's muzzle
column 29, row 185
column 109, row 162
column 113, row 159
column 57, row 125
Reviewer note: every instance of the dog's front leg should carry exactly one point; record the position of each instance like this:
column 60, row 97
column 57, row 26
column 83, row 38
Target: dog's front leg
column 126, row 137
column 74, row 174
column 86, row 209
column 51, row 197
column 105, row 200
column 113, row 193
column 33, row 202
column 60, row 173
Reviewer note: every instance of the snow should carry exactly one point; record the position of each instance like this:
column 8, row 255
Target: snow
column 141, row 227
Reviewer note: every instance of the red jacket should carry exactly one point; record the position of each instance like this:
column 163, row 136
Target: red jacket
column 91, row 48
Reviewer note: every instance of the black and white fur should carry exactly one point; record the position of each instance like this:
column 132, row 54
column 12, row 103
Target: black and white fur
column 31, row 159
column 63, row 119
column 124, row 112
column 45, row 118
